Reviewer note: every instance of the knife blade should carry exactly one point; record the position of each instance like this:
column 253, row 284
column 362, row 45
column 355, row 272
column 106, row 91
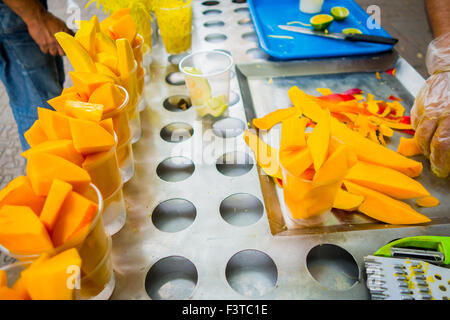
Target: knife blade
column 341, row 36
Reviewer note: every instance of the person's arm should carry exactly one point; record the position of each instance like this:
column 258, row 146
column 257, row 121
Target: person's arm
column 439, row 16
column 42, row 25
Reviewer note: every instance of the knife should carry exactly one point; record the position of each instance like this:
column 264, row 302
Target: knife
column 342, row 36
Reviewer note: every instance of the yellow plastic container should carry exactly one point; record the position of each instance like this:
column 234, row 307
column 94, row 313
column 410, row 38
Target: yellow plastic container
column 175, row 24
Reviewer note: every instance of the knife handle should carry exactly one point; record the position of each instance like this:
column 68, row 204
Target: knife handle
column 370, row 38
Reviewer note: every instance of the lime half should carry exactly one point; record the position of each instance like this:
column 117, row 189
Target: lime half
column 351, row 30
column 339, row 13
column 321, row 21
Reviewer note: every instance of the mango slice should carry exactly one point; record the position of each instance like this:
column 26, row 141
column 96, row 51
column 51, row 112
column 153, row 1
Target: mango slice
column 386, row 180
column 124, row 27
column 293, row 133
column 51, row 280
column 43, row 168
column 125, row 58
column 109, row 61
column 75, row 213
column 384, row 208
column 304, row 104
column 271, row 119
column 59, row 103
column 89, row 137
column 408, row 147
column 87, row 82
column 35, row 135
column 54, row 124
column 346, row 201
column 84, row 110
column 106, row 71
column 62, row 148
column 21, row 231
column 3, row 278
column 79, row 58
column 108, row 95
column 319, row 140
column 59, row 190
column 108, row 125
column 18, row 192
column 96, row 22
column 86, row 37
column 334, row 169
column 9, row 294
column 427, row 202
column 105, row 45
column 296, row 162
column 266, row 156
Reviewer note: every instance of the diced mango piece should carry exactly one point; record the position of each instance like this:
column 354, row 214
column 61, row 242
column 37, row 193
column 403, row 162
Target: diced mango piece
column 105, row 45
column 55, row 278
column 77, row 55
column 125, row 58
column 19, row 193
column 108, row 60
column 109, row 95
column 3, row 278
column 427, row 202
column 87, row 82
column 271, row 119
column 346, row 201
column 9, row 294
column 293, row 133
column 43, row 168
column 21, row 231
column 59, row 103
column 62, row 148
column 296, row 162
column 19, row 286
column 86, row 37
column 35, row 135
column 54, row 124
column 108, row 125
column 84, row 110
column 106, row 71
column 319, row 140
column 386, row 180
column 383, row 208
column 124, row 27
column 89, row 137
column 76, row 212
column 53, row 203
column 408, row 147
column 334, row 168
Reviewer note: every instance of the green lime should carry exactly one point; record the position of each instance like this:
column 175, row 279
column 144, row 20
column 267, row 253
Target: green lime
column 339, row 13
column 351, row 30
column 321, row 21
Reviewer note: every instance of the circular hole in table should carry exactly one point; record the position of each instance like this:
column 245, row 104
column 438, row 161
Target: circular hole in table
column 245, row 21
column 241, row 10
column 332, row 266
column 176, row 132
column 234, row 164
column 175, row 169
column 210, row 3
column 241, row 209
column 177, row 103
column 212, row 12
column 214, row 24
column 250, row 36
column 215, row 37
column 174, row 215
column 251, row 273
column 176, row 58
column 228, row 127
column 175, row 78
column 257, row 53
column 171, row 278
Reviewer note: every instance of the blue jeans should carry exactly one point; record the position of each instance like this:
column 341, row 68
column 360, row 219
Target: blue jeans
column 30, row 76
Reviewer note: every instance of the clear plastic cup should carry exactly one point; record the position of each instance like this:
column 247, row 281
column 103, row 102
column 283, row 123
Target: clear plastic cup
column 207, row 75
column 155, row 30
column 115, row 212
column 97, row 284
column 91, row 242
column 126, row 160
column 175, row 24
column 119, row 117
column 131, row 85
column 311, row 6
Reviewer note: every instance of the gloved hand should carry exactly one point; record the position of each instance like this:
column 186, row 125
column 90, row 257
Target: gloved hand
column 430, row 115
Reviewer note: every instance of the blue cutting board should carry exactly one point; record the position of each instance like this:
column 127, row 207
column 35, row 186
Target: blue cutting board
column 268, row 14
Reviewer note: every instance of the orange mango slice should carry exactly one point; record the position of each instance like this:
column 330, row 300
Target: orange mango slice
column 124, row 27
column 76, row 212
column 9, row 294
column 51, row 280
column 386, row 180
column 408, row 147
column 19, row 192
column 346, row 201
column 109, row 95
column 89, row 137
column 54, row 124
column 35, row 135
column 21, row 231
column 109, row 61
column 43, row 168
column 108, row 125
column 384, row 208
column 427, row 202
column 77, row 55
column 59, row 103
column 334, row 168
column 271, row 119
column 104, row 45
column 319, row 140
column 105, row 70
column 86, row 82
column 3, row 278
column 296, row 162
column 84, row 110
column 58, row 192
column 125, row 58
column 86, row 37
column 62, row 148
column 293, row 133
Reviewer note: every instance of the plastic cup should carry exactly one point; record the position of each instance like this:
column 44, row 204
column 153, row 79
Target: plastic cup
column 98, row 284
column 130, row 84
column 115, row 212
column 119, row 117
column 311, row 6
column 91, row 242
column 175, row 24
column 207, row 75
column 155, row 30
column 126, row 160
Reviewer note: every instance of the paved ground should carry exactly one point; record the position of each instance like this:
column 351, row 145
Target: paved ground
column 403, row 19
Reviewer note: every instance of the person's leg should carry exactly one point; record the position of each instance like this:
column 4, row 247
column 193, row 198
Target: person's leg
column 30, row 77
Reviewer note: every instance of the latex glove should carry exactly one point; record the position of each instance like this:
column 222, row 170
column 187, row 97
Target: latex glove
column 430, row 115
